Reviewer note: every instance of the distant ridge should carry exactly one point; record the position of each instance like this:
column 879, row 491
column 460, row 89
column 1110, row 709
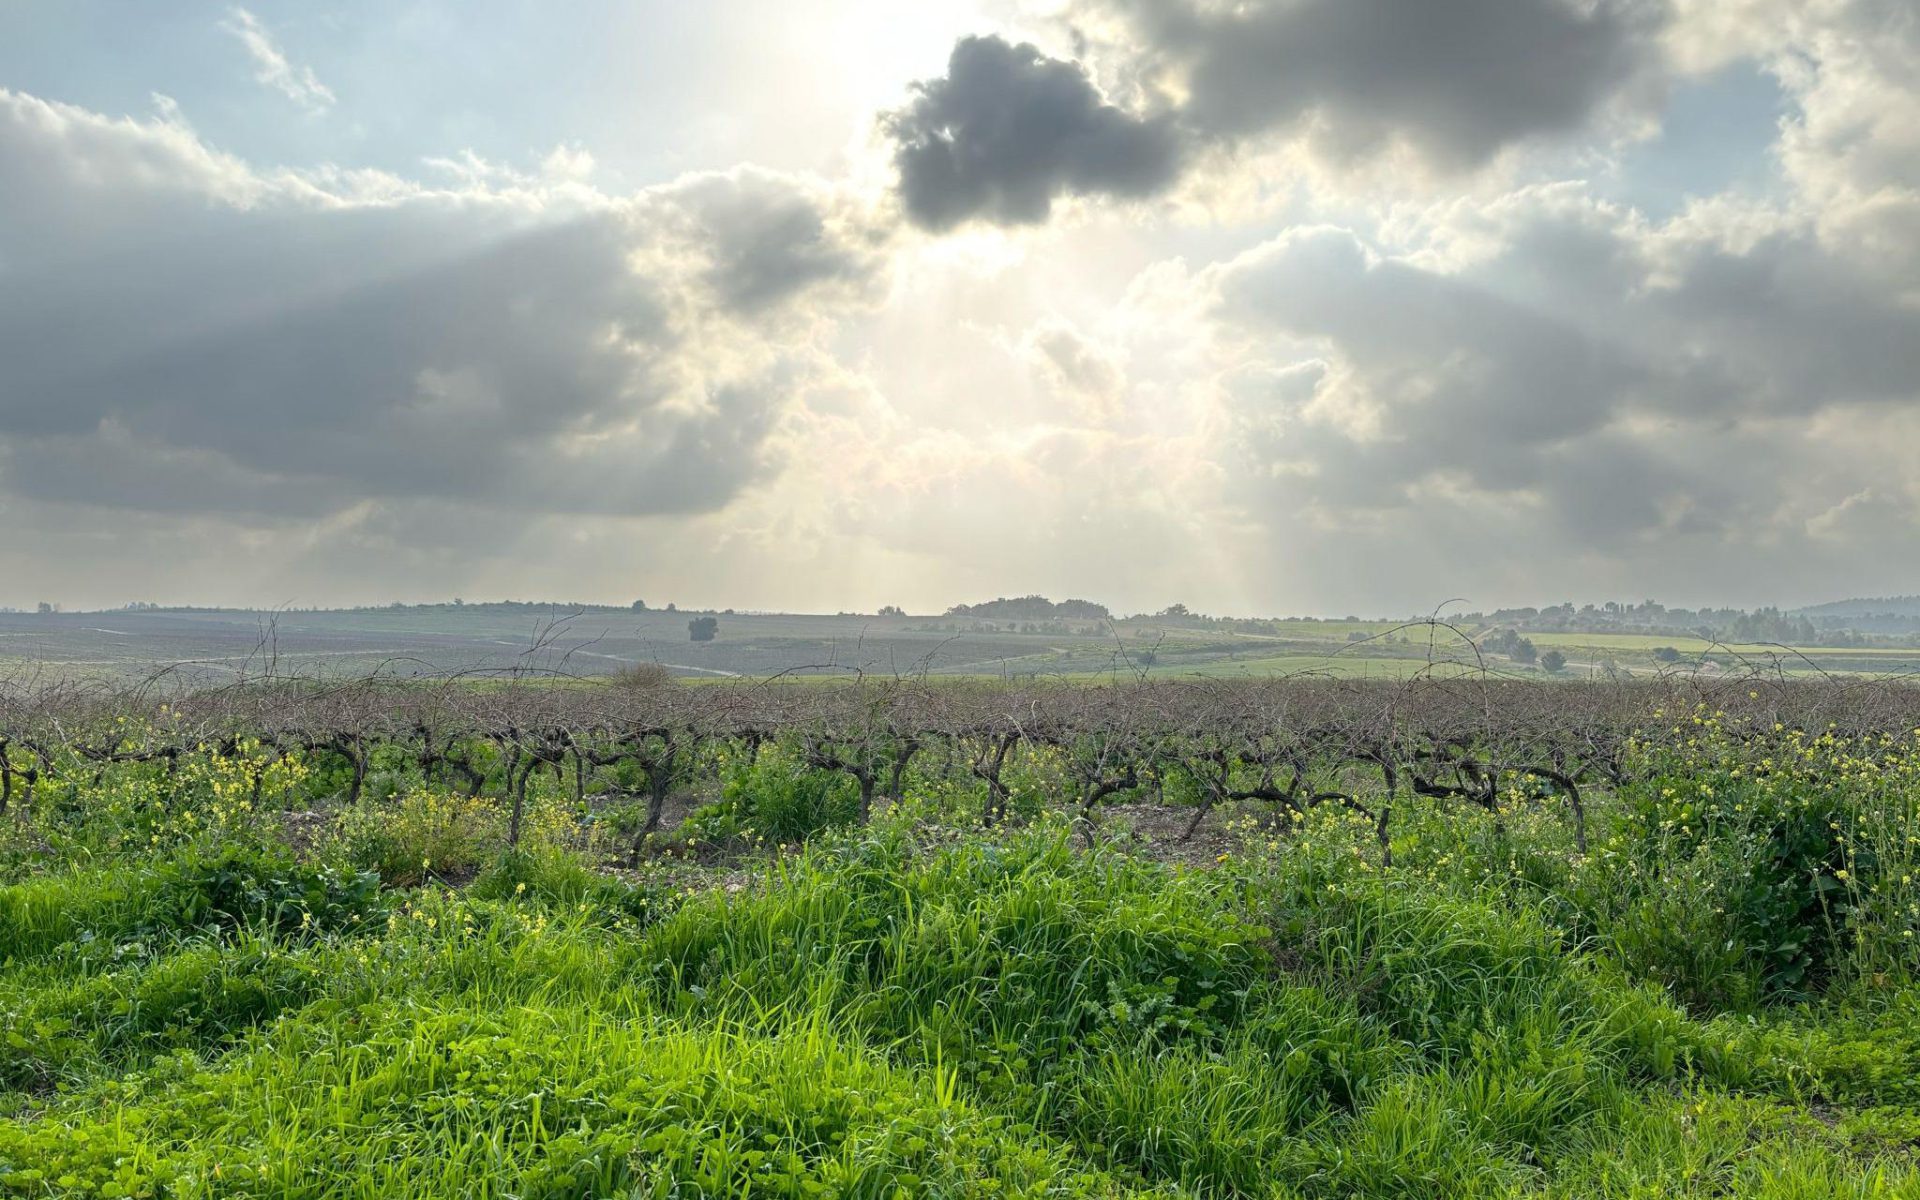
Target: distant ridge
column 1883, row 606
column 1032, row 608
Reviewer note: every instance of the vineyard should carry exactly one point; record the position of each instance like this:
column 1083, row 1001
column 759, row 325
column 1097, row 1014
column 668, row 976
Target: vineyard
column 905, row 936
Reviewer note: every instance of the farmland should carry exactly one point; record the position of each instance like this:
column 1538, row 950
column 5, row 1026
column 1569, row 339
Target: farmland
column 215, row 646
column 877, row 937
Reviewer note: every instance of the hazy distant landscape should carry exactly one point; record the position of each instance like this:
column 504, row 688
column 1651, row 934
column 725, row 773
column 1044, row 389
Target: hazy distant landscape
column 1018, row 640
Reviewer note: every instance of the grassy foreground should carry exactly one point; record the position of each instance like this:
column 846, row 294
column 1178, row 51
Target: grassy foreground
column 215, row 984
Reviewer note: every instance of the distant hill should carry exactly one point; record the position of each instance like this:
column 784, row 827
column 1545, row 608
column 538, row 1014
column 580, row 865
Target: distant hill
column 1031, row 608
column 1883, row 606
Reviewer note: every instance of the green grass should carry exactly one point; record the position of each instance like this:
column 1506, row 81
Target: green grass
column 924, row 1008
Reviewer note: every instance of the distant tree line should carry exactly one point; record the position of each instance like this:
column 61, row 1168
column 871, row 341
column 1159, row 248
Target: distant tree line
column 1032, row 608
column 1733, row 625
column 1511, row 644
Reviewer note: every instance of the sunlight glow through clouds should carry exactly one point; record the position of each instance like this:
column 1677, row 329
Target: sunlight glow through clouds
column 733, row 300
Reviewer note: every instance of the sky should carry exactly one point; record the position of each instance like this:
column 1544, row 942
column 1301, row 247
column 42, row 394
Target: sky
column 1263, row 307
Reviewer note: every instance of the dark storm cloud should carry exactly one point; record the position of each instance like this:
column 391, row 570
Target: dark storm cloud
column 1008, row 130
column 219, row 341
column 1457, row 82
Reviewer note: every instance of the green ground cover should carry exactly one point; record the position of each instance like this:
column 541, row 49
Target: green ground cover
column 226, row 979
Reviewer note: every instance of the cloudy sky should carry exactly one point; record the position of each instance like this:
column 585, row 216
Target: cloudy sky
column 1264, row 306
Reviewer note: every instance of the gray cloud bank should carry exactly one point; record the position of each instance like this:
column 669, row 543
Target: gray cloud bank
column 184, row 332
column 1618, row 382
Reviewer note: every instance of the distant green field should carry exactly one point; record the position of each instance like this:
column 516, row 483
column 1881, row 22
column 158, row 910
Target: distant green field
column 490, row 641
column 1694, row 645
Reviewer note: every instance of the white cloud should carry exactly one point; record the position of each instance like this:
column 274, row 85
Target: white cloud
column 1088, row 376
column 270, row 65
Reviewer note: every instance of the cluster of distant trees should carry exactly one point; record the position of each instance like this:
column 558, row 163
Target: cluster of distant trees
column 1032, row 608
column 1017, row 627
column 1767, row 624
column 700, row 629
column 1511, row 644
column 1522, row 650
